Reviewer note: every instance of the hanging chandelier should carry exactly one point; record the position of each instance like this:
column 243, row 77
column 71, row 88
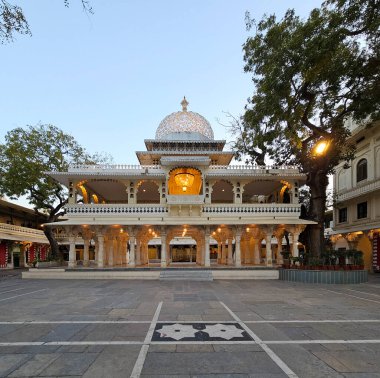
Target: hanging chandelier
column 184, row 180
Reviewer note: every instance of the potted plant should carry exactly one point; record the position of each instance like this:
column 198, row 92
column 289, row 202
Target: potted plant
column 358, row 259
column 285, row 254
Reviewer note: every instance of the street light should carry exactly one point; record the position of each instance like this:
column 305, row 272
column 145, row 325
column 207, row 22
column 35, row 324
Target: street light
column 321, row 148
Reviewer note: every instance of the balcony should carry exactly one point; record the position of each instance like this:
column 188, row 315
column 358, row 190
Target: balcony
column 19, row 233
column 213, row 169
column 112, row 210
column 185, row 200
column 114, row 168
column 207, row 214
column 254, row 170
column 358, row 191
column 264, row 210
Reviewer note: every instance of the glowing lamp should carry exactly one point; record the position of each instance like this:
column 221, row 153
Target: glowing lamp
column 321, row 147
column 184, row 180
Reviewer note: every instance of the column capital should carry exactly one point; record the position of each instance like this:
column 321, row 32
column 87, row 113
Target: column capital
column 238, row 231
column 297, row 228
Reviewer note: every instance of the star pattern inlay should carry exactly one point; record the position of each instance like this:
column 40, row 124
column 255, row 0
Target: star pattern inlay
column 223, row 331
column 177, row 331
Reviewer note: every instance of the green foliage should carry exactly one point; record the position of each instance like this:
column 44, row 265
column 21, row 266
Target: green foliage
column 12, row 19
column 26, row 157
column 310, row 76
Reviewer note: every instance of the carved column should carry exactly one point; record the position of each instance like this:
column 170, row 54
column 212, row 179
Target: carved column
column 72, row 253
column 230, row 258
column 219, row 258
column 163, row 248
column 100, row 251
column 237, row 248
column 132, row 262
column 86, row 252
column 110, row 251
column 124, row 251
column 279, row 257
column 207, row 247
column 224, row 252
column 138, row 251
column 256, row 252
column 295, row 236
column 268, row 247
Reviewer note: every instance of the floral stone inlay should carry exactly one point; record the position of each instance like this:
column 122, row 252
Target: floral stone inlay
column 200, row 332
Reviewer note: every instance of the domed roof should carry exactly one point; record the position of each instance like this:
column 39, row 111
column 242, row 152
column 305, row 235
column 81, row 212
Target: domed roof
column 184, row 125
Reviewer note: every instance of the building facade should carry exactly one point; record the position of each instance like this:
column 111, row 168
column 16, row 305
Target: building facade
column 184, row 202
column 22, row 239
column 357, row 197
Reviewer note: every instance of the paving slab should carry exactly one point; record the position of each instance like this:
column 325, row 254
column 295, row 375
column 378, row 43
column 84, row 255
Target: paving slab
column 35, row 365
column 69, row 364
column 114, row 361
column 212, row 363
column 186, row 303
column 11, row 362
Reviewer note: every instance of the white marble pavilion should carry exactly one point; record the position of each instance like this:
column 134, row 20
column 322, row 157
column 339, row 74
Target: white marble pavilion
column 185, row 202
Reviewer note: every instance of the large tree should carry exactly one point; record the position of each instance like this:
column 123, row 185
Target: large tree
column 13, row 20
column 27, row 155
column 310, row 76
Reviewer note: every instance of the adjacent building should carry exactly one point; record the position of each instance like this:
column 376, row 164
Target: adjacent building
column 22, row 239
column 357, row 197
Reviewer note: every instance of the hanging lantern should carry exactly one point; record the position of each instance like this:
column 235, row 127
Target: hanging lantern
column 184, row 180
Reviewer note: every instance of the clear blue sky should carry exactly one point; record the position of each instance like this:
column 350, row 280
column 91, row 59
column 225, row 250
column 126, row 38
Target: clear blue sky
column 110, row 78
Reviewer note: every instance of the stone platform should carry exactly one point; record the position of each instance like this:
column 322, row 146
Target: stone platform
column 244, row 273
column 324, row 276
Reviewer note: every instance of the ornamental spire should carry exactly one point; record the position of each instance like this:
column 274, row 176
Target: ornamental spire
column 184, row 104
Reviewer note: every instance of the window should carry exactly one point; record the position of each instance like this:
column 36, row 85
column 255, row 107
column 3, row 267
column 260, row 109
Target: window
column 343, row 215
column 362, row 210
column 361, row 170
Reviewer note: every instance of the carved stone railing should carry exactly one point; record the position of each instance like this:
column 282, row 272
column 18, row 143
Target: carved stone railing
column 112, row 167
column 254, row 167
column 104, row 209
column 358, row 191
column 252, row 170
column 185, row 200
column 10, row 228
column 163, row 210
column 254, row 209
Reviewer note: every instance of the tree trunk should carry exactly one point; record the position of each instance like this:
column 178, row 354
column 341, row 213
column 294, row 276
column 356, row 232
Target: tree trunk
column 53, row 243
column 317, row 181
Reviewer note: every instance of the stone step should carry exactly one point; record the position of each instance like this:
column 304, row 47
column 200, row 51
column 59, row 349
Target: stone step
column 186, row 275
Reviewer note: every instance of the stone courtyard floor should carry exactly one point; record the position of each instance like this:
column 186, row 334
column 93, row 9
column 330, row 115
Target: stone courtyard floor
column 269, row 329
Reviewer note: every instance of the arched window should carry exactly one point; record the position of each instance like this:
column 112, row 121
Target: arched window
column 361, row 170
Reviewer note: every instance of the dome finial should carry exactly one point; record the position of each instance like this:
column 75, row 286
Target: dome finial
column 184, row 104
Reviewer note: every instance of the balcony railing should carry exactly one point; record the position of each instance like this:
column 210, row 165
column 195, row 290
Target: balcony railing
column 163, row 210
column 104, row 209
column 253, row 169
column 185, row 200
column 358, row 191
column 144, row 168
column 112, row 167
column 258, row 209
column 20, row 229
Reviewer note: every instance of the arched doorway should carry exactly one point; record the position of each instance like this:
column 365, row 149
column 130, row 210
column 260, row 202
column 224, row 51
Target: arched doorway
column 222, row 192
column 148, row 192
